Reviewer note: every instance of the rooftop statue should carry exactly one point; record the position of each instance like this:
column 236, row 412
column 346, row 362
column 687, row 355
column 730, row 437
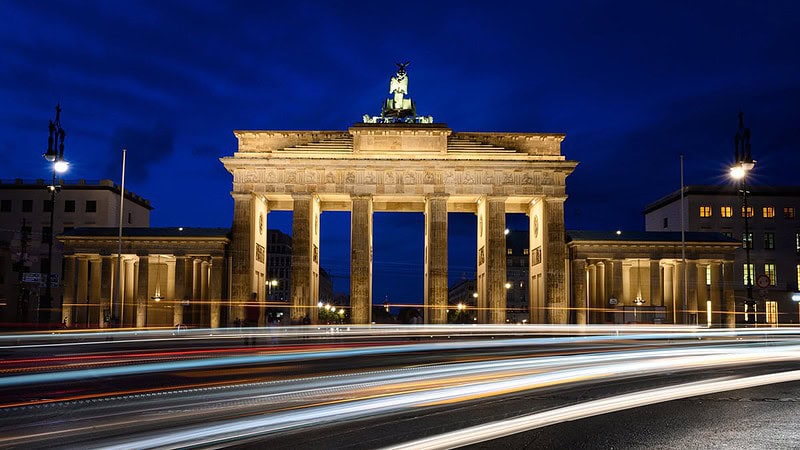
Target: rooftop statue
column 399, row 108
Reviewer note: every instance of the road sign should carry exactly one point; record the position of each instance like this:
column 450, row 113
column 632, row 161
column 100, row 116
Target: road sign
column 30, row 277
column 762, row 281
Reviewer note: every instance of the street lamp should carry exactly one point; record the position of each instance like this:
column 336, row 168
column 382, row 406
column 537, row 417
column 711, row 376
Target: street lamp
column 54, row 155
column 739, row 171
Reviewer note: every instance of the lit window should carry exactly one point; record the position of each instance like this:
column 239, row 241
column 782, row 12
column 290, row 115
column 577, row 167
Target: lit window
column 771, row 310
column 747, row 240
column 769, row 269
column 510, row 251
column 788, row 213
column 749, row 211
column 769, row 240
column 708, row 275
column 726, row 211
column 525, row 251
column 797, row 242
column 705, row 211
column 748, row 274
column 768, row 212
column 798, row 275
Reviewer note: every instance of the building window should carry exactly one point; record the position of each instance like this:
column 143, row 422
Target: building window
column 769, row 270
column 5, row 205
column 27, row 206
column 69, row 206
column 705, row 211
column 771, row 310
column 797, row 242
column 748, row 274
column 130, row 217
column 769, row 240
column 46, row 231
column 525, row 251
column 788, row 212
column 728, row 233
column 708, row 275
column 747, row 240
column 726, row 211
column 47, row 206
column 91, row 206
column 749, row 211
column 768, row 212
column 798, row 276
column 510, row 251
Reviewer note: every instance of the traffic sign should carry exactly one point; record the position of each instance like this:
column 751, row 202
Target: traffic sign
column 762, row 281
column 30, row 277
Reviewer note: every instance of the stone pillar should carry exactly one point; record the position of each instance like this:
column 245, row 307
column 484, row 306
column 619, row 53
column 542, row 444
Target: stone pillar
column 580, row 294
column 361, row 259
column 107, row 276
column 627, row 295
column 82, row 292
column 677, row 276
column 728, row 295
column 129, row 296
column 701, row 295
column 205, row 311
column 716, row 293
column 609, row 290
column 67, row 306
column 304, row 284
column 242, row 252
column 215, row 290
column 180, row 290
column 94, row 311
column 656, row 288
column 142, row 285
column 492, row 259
column 600, row 293
column 197, row 299
column 436, row 291
column 691, row 289
column 591, row 289
column 555, row 257
column 536, row 269
column 669, row 294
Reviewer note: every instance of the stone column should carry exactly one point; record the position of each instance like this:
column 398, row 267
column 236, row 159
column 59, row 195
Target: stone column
column 591, row 289
column 129, row 296
column 215, row 290
column 197, row 298
column 95, row 311
column 669, row 294
column 691, row 289
column 600, row 293
column 701, row 295
column 728, row 295
column 361, row 259
column 554, row 261
column 142, row 285
column 609, row 290
column 492, row 259
column 67, row 306
column 82, row 292
column 716, row 293
column 242, row 252
column 205, row 310
column 302, row 281
column 656, row 288
column 180, row 289
column 436, row 291
column 678, row 295
column 580, row 294
column 107, row 275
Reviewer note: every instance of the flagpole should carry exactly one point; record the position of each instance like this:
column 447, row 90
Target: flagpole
column 684, row 316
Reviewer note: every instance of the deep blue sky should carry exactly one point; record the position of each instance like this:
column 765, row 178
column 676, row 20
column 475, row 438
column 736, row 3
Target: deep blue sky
column 632, row 84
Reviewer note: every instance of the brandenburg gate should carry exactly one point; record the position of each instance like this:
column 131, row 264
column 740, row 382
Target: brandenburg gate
column 401, row 162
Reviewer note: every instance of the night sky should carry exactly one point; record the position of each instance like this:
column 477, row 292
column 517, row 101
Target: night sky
column 632, row 84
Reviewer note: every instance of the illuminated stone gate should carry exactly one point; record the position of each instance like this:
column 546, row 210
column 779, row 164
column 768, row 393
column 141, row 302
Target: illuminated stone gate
column 419, row 167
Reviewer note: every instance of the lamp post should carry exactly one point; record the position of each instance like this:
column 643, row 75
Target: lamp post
column 54, row 155
column 739, row 171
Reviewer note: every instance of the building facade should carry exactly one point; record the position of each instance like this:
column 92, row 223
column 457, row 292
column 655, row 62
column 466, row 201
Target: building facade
column 638, row 277
column 774, row 238
column 25, row 212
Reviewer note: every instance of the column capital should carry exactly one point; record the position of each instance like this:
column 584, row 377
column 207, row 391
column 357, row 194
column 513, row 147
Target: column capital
column 361, row 196
column 242, row 196
column 554, row 198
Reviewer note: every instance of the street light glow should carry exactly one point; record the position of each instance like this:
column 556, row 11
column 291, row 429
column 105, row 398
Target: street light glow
column 60, row 166
column 737, row 172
